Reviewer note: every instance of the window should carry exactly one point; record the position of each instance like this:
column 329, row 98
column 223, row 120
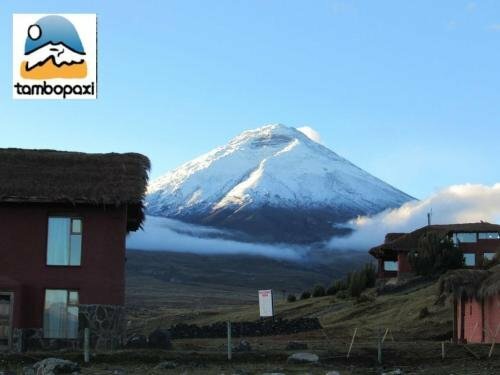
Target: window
column 489, row 256
column 64, row 241
column 489, row 236
column 390, row 266
column 60, row 317
column 470, row 259
column 464, row 238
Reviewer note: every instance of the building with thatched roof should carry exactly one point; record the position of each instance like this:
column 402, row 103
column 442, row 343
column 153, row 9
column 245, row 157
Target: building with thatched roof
column 476, row 301
column 64, row 218
column 478, row 242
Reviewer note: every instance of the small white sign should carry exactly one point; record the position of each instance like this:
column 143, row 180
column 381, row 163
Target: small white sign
column 266, row 305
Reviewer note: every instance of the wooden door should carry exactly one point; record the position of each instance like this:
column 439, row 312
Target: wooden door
column 6, row 302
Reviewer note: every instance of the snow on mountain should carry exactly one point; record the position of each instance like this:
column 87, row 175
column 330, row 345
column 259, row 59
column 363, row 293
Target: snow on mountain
column 270, row 180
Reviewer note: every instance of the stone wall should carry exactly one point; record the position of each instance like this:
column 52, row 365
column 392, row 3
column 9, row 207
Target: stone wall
column 105, row 322
column 263, row 327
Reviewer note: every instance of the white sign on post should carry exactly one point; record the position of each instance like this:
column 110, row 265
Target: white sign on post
column 266, row 305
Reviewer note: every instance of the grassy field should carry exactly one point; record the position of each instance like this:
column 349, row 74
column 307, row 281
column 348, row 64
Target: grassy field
column 203, row 290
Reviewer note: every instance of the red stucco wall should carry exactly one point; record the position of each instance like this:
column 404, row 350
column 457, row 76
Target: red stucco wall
column 492, row 319
column 403, row 263
column 23, row 237
column 473, row 322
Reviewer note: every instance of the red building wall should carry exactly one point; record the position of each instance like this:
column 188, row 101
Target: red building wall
column 23, row 249
column 403, row 263
column 473, row 321
column 481, row 322
column 492, row 319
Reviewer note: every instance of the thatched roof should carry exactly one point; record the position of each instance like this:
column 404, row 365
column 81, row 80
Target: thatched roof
column 471, row 283
column 410, row 241
column 48, row 176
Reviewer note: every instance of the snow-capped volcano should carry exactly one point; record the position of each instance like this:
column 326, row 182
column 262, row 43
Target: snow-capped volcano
column 274, row 183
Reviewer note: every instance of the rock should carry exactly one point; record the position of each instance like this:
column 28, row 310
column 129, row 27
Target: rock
column 28, row 371
column 332, row 373
column 273, row 373
column 243, row 346
column 303, row 358
column 160, row 339
column 137, row 342
column 296, row 345
column 394, row 372
column 118, row 371
column 52, row 366
column 166, row 365
column 6, row 372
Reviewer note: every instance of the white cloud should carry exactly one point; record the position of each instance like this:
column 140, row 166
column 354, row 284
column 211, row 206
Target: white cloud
column 471, row 6
column 163, row 234
column 310, row 133
column 495, row 27
column 455, row 204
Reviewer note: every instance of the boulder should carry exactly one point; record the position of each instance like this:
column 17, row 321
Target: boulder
column 137, row 342
column 332, row 373
column 296, row 345
column 166, row 365
column 243, row 346
column 303, row 358
column 160, row 339
column 394, row 372
column 52, row 366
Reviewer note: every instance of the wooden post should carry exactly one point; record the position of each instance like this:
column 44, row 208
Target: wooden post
column 86, row 345
column 229, row 344
column 379, row 348
column 493, row 343
column 442, row 350
column 352, row 342
column 385, row 335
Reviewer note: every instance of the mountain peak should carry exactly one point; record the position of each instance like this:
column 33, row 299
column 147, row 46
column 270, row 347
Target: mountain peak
column 265, row 171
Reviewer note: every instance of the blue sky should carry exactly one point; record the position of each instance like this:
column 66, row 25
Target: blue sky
column 409, row 91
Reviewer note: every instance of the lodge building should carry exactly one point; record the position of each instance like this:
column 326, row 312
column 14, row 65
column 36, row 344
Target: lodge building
column 64, row 217
column 479, row 242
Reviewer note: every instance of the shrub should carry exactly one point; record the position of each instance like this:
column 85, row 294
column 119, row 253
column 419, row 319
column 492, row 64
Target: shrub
column 357, row 283
column 305, row 295
column 341, row 284
column 342, row 294
column 370, row 275
column 291, row 298
column 331, row 291
column 435, row 256
column 319, row 291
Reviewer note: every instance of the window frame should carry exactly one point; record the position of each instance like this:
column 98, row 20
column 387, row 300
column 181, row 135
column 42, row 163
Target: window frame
column 475, row 260
column 484, row 234
column 67, row 306
column 71, row 217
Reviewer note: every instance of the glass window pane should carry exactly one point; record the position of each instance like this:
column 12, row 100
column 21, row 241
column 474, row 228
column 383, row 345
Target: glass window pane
column 390, row 266
column 54, row 317
column 73, row 298
column 489, row 236
column 72, row 322
column 58, row 241
column 76, row 250
column 467, row 237
column 489, row 256
column 470, row 259
column 76, row 226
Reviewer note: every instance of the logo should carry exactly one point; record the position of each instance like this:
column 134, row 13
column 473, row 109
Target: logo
column 54, row 56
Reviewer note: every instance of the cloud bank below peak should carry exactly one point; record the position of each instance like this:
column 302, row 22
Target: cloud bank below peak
column 455, row 204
